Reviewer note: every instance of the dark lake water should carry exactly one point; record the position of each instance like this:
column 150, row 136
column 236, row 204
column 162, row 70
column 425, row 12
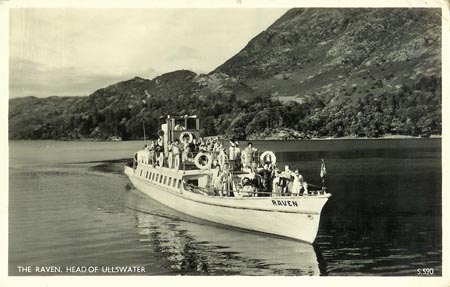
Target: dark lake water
column 71, row 205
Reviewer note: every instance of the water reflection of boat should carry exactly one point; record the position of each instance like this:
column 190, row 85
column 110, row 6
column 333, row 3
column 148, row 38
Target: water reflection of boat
column 228, row 196
column 192, row 246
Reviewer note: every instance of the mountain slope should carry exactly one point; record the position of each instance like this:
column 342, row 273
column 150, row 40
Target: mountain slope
column 340, row 53
column 318, row 72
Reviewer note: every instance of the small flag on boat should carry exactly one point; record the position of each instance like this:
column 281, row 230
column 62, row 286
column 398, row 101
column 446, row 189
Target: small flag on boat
column 323, row 169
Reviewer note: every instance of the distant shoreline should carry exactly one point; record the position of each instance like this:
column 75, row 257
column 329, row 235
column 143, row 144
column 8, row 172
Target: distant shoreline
column 387, row 137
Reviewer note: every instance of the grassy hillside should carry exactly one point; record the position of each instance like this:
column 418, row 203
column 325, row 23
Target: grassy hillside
column 340, row 53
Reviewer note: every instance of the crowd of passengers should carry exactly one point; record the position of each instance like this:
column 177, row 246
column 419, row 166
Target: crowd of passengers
column 267, row 180
column 179, row 153
column 258, row 181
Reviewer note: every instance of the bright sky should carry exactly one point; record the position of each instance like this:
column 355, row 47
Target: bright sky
column 69, row 52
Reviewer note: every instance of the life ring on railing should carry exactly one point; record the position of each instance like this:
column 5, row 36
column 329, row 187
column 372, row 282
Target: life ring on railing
column 186, row 134
column 200, row 161
column 268, row 157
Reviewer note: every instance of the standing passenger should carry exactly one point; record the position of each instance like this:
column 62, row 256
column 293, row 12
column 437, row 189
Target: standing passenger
column 237, row 155
column 297, row 183
column 266, row 175
column 276, row 184
column 185, row 151
column 285, row 179
column 192, row 148
column 232, row 148
column 248, row 154
column 176, row 155
column 222, row 157
column 226, row 181
column 170, row 155
column 215, row 181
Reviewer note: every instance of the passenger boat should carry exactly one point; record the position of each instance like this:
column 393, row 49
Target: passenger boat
column 185, row 182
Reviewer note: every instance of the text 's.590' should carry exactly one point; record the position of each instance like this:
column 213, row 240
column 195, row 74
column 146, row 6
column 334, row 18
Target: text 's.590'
column 425, row 271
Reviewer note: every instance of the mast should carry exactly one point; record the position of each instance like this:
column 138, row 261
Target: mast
column 143, row 128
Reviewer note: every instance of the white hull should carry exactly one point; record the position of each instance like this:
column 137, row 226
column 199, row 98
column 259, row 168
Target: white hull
column 295, row 217
column 246, row 244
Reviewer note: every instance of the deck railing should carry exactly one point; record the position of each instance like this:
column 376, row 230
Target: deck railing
column 250, row 193
column 153, row 157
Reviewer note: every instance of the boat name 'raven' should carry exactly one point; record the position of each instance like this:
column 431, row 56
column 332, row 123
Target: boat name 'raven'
column 284, row 203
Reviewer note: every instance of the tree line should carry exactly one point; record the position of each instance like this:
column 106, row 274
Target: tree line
column 411, row 111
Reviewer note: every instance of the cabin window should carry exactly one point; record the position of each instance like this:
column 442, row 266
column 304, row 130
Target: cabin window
column 160, row 178
column 141, row 173
column 153, row 176
column 179, row 183
column 174, row 182
column 193, row 182
column 191, row 124
column 170, row 181
column 180, row 122
column 146, row 175
column 165, row 179
column 157, row 177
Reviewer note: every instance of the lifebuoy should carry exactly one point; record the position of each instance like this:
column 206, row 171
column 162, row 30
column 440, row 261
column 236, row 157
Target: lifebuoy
column 268, row 156
column 200, row 162
column 186, row 134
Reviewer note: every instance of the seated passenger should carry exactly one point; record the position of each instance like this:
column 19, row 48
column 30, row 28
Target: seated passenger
column 179, row 128
column 247, row 187
column 305, row 188
column 202, row 147
column 250, row 183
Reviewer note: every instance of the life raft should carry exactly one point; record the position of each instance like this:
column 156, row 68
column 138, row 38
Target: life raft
column 183, row 135
column 203, row 160
column 268, row 157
